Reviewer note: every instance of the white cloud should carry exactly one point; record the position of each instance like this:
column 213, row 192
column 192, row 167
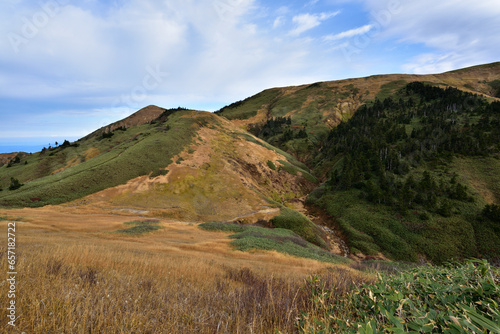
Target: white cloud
column 312, row 3
column 430, row 63
column 77, row 49
column 304, row 22
column 88, row 54
column 283, row 10
column 94, row 58
column 278, row 22
column 349, row 33
column 455, row 33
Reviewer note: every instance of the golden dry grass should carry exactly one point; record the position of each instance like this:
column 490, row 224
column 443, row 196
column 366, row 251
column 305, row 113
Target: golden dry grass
column 76, row 276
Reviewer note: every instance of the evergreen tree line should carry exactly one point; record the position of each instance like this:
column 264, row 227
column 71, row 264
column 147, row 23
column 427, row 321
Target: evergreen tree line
column 278, row 131
column 383, row 141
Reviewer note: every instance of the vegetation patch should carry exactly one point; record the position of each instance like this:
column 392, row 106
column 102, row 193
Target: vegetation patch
column 223, row 227
column 456, row 298
column 496, row 87
column 140, row 227
column 293, row 169
column 264, row 144
column 301, row 225
column 159, row 172
column 271, row 165
column 381, row 266
column 278, row 239
column 389, row 88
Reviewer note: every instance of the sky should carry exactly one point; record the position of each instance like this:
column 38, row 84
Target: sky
column 70, row 67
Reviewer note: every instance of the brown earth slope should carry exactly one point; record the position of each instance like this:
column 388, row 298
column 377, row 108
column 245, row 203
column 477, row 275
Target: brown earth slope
column 222, row 175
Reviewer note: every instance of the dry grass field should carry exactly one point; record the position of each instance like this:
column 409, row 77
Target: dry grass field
column 75, row 274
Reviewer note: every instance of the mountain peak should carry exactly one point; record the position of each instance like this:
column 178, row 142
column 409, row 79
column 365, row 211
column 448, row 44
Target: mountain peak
column 142, row 116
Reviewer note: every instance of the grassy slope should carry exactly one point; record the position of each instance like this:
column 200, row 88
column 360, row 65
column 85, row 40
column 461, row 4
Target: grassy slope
column 209, row 152
column 374, row 228
column 76, row 275
column 378, row 228
column 316, row 107
column 481, row 174
column 421, row 233
column 128, row 154
column 321, row 106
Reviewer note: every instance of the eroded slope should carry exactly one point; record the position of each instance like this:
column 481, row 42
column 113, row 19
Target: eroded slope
column 221, row 175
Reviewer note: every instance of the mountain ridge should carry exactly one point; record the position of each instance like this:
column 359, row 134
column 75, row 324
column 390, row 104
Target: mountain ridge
column 175, row 162
column 271, row 151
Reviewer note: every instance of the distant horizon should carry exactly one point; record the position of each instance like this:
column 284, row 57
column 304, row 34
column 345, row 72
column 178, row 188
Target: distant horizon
column 32, row 146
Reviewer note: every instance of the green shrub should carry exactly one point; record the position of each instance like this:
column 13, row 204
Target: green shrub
column 140, row 227
column 492, row 212
column 15, row 184
column 496, row 87
column 271, row 165
column 300, row 224
column 278, row 239
column 223, row 227
column 158, row 172
column 456, row 298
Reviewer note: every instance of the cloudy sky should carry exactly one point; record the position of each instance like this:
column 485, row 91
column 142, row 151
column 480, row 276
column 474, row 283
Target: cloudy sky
column 68, row 67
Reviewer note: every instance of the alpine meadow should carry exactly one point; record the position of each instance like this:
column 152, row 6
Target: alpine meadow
column 368, row 205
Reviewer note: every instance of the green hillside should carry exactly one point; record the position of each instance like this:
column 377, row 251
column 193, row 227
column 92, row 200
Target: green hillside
column 283, row 116
column 173, row 163
column 407, row 176
column 107, row 159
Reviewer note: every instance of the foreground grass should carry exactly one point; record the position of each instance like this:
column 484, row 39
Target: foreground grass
column 279, row 239
column 79, row 278
column 457, row 298
column 71, row 291
column 182, row 279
